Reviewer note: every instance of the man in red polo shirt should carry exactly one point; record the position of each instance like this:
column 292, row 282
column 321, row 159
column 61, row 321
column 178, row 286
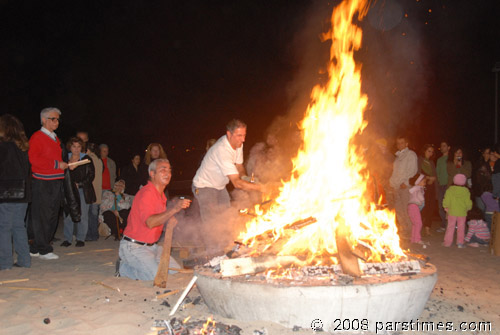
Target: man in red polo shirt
column 139, row 252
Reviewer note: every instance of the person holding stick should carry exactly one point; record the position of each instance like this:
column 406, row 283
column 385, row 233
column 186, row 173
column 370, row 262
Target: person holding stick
column 139, row 252
column 115, row 208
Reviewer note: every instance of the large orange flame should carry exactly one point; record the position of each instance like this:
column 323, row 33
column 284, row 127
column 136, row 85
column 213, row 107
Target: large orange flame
column 328, row 182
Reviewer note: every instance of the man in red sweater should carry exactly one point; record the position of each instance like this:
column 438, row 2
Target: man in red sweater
column 45, row 155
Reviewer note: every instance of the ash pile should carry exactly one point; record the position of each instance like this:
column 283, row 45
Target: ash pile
column 176, row 326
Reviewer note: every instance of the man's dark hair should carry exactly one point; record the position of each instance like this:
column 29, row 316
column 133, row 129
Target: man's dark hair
column 235, row 124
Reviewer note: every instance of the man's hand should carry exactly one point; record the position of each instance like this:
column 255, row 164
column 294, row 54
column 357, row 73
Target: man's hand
column 172, row 222
column 182, row 204
column 63, row 165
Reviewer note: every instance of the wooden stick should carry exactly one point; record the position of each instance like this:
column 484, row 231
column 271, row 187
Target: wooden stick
column 182, row 270
column 13, row 281
column 82, row 162
column 162, row 272
column 27, row 288
column 183, row 295
column 74, row 253
column 102, row 250
column 167, row 294
column 107, row 286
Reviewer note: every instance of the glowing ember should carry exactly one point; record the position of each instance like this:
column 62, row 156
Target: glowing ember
column 208, row 327
column 328, row 182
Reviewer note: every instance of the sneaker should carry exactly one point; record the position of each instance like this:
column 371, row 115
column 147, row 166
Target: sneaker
column 35, row 254
column 49, row 256
column 441, row 230
column 473, row 245
column 65, row 244
column 80, row 244
column 423, row 242
column 460, row 246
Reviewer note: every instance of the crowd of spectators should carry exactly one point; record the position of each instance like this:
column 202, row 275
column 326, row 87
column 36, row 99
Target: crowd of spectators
column 40, row 176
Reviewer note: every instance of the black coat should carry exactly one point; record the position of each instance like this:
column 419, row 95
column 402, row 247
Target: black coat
column 81, row 177
column 15, row 165
column 133, row 178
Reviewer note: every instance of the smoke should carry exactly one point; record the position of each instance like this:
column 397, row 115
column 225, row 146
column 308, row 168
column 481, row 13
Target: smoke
column 394, row 69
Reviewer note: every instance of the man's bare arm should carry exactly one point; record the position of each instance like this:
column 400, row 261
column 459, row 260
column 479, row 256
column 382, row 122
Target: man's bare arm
column 160, row 218
column 244, row 185
column 241, row 170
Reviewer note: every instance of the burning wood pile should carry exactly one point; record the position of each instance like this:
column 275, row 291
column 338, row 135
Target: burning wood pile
column 324, row 215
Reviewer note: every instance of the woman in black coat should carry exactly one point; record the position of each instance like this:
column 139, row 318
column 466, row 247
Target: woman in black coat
column 14, row 192
column 79, row 193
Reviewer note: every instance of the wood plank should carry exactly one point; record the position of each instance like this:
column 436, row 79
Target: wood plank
column 162, row 273
column 250, row 265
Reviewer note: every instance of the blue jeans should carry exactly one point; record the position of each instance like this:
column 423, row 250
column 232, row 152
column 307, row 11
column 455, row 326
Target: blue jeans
column 141, row 261
column 475, row 239
column 12, row 228
column 93, row 233
column 82, row 226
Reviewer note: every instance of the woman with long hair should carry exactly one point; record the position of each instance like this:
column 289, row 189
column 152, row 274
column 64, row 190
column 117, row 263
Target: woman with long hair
column 14, row 192
column 457, row 164
column 427, row 167
column 153, row 151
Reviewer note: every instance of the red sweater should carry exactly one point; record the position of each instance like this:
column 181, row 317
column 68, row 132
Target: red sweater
column 44, row 154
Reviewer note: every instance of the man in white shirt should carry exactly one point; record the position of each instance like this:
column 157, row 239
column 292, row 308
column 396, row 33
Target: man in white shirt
column 405, row 167
column 223, row 163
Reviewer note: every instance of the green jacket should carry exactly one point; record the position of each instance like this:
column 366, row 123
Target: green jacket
column 457, row 200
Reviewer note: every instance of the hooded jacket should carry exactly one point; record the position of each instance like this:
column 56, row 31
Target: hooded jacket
column 457, row 200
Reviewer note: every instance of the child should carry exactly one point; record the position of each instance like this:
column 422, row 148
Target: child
column 478, row 233
column 415, row 205
column 491, row 206
column 456, row 203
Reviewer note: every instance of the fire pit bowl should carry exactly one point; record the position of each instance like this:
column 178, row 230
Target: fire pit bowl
column 356, row 308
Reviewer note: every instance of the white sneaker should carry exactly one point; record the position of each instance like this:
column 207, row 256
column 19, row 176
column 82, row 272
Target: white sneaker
column 49, row 256
column 34, row 255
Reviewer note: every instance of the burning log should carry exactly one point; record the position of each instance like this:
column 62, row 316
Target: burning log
column 251, row 265
column 296, row 225
column 348, row 260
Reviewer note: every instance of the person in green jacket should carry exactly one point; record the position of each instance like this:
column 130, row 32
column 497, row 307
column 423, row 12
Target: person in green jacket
column 456, row 203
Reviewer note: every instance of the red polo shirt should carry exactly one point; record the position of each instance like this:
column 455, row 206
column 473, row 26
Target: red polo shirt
column 148, row 201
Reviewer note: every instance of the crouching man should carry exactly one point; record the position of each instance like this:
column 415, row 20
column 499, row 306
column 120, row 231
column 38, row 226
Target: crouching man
column 139, row 251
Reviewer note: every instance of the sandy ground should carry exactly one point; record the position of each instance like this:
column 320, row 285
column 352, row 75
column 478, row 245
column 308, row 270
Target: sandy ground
column 467, row 290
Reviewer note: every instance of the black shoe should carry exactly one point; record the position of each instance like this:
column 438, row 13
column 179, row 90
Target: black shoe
column 17, row 265
column 80, row 244
column 65, row 244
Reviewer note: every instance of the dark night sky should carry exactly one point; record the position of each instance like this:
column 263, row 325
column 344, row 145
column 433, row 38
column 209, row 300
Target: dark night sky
column 134, row 72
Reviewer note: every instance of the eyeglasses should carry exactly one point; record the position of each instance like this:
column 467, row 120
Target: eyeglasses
column 54, row 119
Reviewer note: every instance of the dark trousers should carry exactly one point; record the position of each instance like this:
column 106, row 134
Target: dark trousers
column 46, row 202
column 110, row 219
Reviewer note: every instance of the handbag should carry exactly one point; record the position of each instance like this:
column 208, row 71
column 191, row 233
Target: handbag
column 12, row 189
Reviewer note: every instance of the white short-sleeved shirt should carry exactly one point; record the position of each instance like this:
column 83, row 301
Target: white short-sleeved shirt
column 218, row 163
